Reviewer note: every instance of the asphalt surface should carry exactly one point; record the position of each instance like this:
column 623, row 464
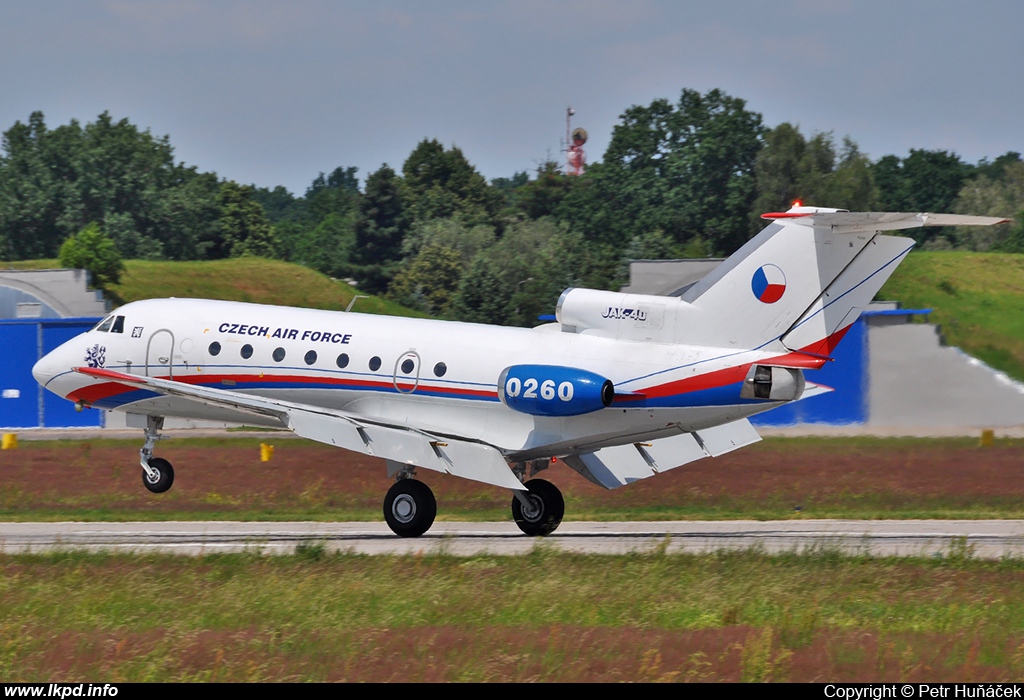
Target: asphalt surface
column 937, row 538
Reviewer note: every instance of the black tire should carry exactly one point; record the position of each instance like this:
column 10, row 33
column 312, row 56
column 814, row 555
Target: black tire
column 165, row 479
column 409, row 508
column 550, row 507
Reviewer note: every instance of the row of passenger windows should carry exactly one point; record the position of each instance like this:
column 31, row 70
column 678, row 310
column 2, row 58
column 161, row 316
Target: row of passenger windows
column 440, row 369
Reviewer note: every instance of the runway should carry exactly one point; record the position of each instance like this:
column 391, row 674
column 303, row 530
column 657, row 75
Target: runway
column 990, row 539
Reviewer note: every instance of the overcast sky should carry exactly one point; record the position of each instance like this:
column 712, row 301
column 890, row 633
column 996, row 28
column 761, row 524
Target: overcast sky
column 273, row 92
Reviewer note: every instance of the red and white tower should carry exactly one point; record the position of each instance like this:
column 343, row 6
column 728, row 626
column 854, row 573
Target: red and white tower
column 576, row 158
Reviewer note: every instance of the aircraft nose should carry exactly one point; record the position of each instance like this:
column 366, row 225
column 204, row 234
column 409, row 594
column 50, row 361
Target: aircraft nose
column 45, row 369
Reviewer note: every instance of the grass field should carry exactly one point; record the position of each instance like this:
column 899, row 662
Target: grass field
column 223, row 479
column 546, row 616
column 543, row 616
column 236, row 279
column 977, row 299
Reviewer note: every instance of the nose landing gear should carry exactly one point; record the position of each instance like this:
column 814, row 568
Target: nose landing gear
column 157, row 473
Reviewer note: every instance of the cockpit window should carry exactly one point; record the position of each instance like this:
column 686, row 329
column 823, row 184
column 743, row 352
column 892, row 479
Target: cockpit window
column 105, row 324
column 118, row 326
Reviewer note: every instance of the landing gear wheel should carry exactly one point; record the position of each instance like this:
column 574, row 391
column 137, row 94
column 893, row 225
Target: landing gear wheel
column 164, row 478
column 409, row 508
column 544, row 514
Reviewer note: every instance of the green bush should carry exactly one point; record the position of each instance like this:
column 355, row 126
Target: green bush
column 91, row 249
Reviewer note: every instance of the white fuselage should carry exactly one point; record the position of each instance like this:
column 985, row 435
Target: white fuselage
column 437, row 376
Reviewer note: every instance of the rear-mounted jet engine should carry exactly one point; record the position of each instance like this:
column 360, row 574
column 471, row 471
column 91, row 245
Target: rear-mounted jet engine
column 550, row 390
column 773, row 383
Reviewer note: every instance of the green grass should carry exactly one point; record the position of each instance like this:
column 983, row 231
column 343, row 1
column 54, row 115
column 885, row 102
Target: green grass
column 253, row 280
column 544, row 616
column 221, row 478
column 977, row 299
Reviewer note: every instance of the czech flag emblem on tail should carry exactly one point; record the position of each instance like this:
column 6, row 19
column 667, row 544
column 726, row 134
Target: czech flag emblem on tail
column 768, row 284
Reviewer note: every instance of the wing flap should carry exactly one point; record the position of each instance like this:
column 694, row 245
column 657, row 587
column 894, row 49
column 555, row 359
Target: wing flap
column 476, row 461
column 612, row 467
column 469, row 460
column 728, row 437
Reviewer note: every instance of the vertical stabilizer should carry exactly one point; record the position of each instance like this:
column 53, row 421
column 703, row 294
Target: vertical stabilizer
column 757, row 295
column 805, row 277
column 822, row 326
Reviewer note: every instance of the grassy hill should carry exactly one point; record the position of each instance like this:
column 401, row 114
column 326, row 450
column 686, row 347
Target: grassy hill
column 236, row 279
column 978, row 299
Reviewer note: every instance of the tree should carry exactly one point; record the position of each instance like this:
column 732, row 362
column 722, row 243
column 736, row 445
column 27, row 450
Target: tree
column 791, row 168
column 543, row 195
column 92, row 250
column 381, row 224
column 242, row 226
column 54, row 182
column 430, row 281
column 687, row 169
column 442, row 183
column 924, row 181
column 985, row 195
column 338, row 193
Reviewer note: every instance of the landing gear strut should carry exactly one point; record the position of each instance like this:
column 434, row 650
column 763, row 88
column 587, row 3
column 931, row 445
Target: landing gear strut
column 157, row 473
column 409, row 507
column 539, row 510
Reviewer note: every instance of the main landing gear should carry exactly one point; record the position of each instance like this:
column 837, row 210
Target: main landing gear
column 539, row 510
column 157, row 473
column 410, row 507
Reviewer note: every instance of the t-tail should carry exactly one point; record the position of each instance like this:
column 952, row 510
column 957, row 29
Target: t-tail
column 797, row 286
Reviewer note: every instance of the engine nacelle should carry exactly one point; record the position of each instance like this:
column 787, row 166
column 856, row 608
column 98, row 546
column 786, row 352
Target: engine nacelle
column 550, row 390
column 773, row 383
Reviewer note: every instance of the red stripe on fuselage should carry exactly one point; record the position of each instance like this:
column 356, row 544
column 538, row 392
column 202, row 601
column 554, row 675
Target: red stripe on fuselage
column 98, row 392
column 806, row 358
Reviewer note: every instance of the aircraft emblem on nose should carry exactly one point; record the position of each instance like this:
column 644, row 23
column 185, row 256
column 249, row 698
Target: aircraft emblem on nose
column 96, row 356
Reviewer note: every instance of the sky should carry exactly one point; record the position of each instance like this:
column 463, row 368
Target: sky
column 272, row 93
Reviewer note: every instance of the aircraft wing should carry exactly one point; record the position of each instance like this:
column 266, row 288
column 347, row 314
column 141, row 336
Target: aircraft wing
column 397, row 443
column 612, row 467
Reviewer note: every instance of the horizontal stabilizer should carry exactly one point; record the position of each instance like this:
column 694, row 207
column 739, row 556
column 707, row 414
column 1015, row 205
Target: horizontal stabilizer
column 470, row 460
column 874, row 221
column 612, row 467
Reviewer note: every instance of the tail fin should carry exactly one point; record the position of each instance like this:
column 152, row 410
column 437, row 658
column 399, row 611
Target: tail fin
column 803, row 279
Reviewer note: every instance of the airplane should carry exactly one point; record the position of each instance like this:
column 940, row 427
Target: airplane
column 620, row 388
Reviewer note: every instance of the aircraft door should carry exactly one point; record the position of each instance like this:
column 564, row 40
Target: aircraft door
column 160, row 353
column 407, row 372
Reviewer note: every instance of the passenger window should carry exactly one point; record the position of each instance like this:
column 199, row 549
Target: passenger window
column 104, row 325
column 118, row 325
column 374, row 363
column 408, row 366
column 310, row 357
column 278, row 354
column 439, row 369
column 215, row 348
column 342, row 361
column 246, row 351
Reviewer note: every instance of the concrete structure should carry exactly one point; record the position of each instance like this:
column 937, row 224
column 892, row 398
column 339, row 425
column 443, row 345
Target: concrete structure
column 49, row 294
column 667, row 278
column 916, row 380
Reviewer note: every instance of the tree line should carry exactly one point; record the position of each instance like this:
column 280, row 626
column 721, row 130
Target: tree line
column 688, row 178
